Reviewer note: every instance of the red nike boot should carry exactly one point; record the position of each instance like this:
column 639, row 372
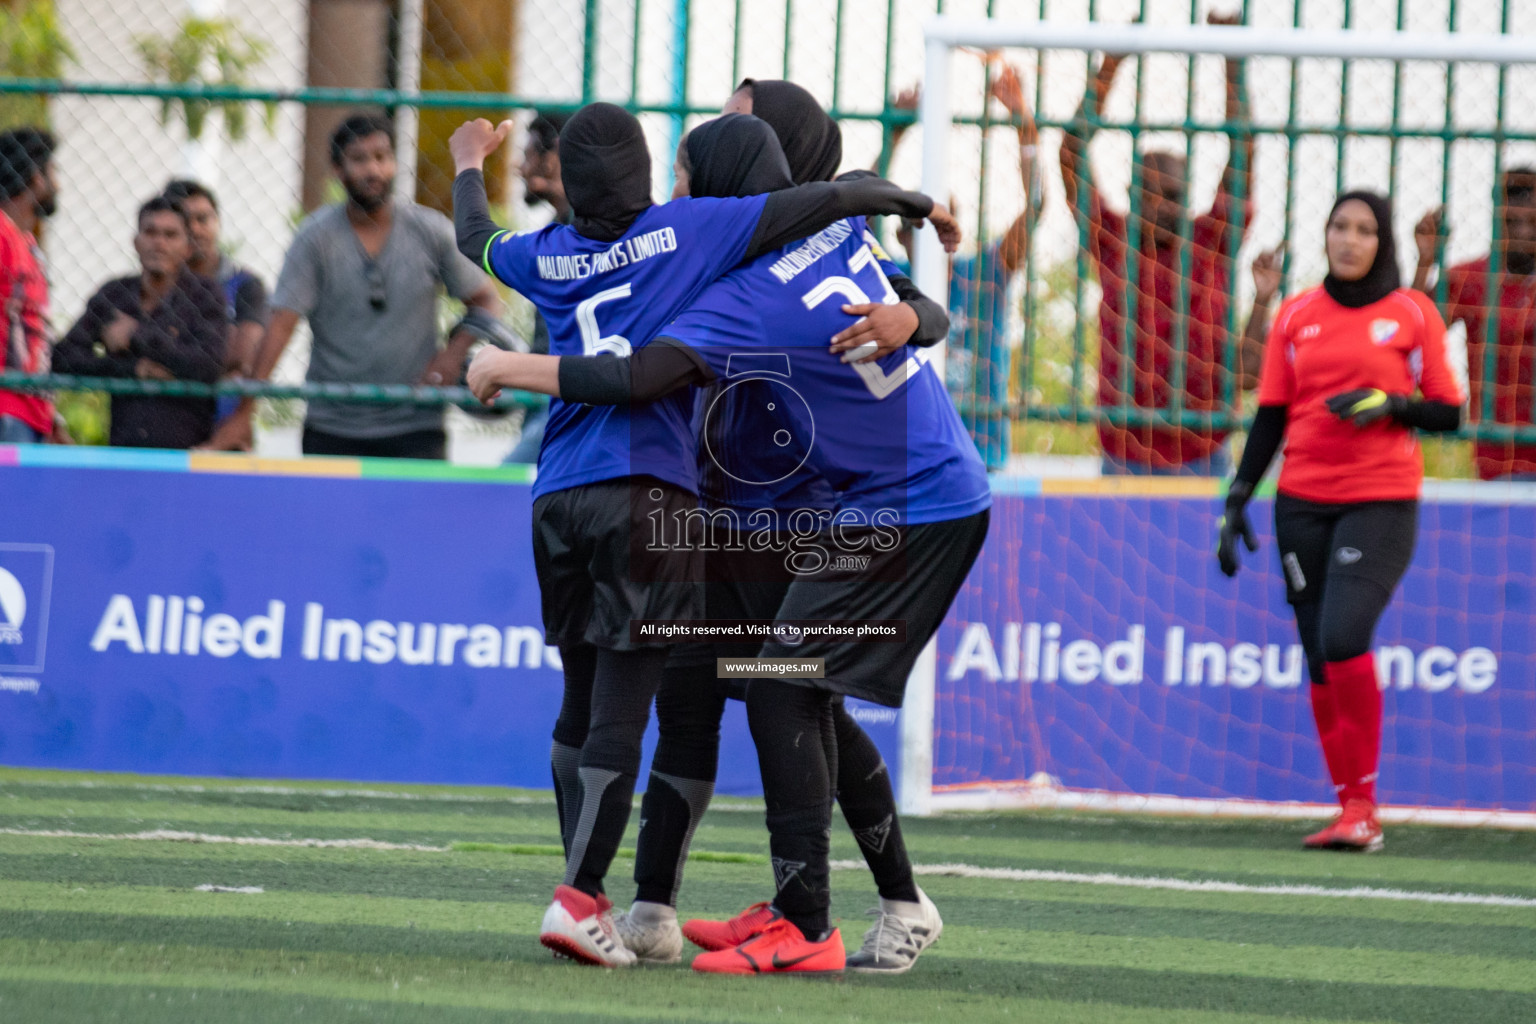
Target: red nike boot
column 780, row 948
column 729, row 934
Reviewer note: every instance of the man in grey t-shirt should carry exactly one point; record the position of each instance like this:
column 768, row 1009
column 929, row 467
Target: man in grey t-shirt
column 366, row 274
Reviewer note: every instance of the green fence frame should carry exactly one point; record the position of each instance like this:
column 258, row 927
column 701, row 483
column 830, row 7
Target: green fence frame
column 1076, row 410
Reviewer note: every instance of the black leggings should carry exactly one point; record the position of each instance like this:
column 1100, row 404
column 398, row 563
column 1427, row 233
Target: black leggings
column 794, row 730
column 1342, row 563
column 623, row 684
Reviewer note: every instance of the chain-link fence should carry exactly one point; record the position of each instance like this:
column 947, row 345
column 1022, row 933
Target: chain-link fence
column 243, row 98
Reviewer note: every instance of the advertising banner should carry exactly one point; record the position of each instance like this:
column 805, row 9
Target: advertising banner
column 1098, row 643
column 159, row 620
column 335, row 619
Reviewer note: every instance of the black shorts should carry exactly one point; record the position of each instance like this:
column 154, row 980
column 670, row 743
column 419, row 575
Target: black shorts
column 915, row 581
column 737, row 585
column 598, row 568
column 1371, row 540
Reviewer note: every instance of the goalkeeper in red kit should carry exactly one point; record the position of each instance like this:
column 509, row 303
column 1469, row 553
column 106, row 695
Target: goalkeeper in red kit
column 1352, row 368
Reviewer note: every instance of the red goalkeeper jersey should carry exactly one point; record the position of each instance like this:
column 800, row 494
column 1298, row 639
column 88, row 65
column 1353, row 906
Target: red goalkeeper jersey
column 1318, row 349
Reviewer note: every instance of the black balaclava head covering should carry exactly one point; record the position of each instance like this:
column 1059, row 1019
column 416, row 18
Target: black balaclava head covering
column 735, row 155
column 812, row 141
column 1384, row 277
column 605, row 167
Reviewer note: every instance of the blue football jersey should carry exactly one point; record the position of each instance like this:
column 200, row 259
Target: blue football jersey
column 884, row 435
column 739, row 411
column 612, row 297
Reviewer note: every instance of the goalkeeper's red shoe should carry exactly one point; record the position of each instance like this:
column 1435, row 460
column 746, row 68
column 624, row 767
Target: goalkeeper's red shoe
column 1322, row 839
column 1357, row 828
column 781, row 948
column 714, row 935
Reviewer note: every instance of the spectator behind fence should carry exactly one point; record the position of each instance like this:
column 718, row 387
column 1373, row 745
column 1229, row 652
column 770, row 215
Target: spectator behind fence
column 164, row 323
column 541, row 184
column 1156, row 214
column 366, row 273
column 1267, row 269
column 28, row 197
column 245, row 297
column 977, row 366
column 1508, row 322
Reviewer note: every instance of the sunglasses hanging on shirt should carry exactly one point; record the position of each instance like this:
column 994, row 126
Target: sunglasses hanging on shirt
column 378, row 296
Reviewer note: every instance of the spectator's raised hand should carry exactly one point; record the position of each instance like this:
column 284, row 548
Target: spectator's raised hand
column 1266, row 274
column 907, row 99
column 1008, row 90
column 118, row 334
column 475, row 140
column 1428, row 234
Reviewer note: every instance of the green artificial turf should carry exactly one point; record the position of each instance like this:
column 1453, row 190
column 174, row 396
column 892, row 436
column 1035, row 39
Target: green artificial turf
column 99, row 926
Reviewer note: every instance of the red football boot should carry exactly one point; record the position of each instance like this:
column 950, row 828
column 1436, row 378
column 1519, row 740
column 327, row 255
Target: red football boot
column 580, row 927
column 730, row 934
column 1356, row 828
column 780, row 948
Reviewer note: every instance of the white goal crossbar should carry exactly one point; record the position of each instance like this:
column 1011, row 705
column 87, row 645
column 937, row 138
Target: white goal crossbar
column 943, row 33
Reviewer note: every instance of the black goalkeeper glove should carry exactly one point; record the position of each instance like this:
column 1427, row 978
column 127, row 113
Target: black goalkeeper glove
column 1234, row 524
column 1365, row 406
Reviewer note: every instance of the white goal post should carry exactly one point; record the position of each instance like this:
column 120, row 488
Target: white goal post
column 942, row 35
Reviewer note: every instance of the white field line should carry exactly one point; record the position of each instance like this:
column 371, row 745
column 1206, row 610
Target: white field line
column 162, row 835
column 367, row 794
column 1027, row 796
column 1359, row 892
column 952, row 870
column 363, row 794
column 251, row 890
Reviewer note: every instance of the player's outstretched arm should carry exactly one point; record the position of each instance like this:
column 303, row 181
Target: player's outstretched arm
column 470, row 144
column 799, row 212
column 644, row 375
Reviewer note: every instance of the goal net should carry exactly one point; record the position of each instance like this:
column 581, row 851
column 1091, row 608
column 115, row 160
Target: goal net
column 1097, row 657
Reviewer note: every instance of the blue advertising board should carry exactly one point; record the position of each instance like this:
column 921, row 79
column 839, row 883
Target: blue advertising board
column 338, row 620
column 281, row 625
column 1097, row 642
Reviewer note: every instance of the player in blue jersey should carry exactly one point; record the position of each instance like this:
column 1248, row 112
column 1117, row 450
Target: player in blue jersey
column 620, row 271
column 743, row 585
column 911, row 507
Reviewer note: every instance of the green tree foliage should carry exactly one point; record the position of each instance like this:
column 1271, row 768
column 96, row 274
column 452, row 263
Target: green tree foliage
column 206, row 51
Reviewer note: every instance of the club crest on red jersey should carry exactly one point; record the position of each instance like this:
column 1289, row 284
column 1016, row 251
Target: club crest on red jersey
column 1383, row 331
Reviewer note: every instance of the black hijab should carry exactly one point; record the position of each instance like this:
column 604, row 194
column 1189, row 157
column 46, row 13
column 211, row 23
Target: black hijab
column 813, row 144
column 735, row 155
column 605, row 167
column 1383, row 278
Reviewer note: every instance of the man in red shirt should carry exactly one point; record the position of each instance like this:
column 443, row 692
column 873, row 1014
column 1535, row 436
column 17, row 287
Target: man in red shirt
column 28, row 195
column 1510, row 325
column 1146, row 448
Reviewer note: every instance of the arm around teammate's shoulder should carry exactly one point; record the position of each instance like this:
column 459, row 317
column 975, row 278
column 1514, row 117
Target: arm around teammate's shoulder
column 795, row 213
column 644, row 375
